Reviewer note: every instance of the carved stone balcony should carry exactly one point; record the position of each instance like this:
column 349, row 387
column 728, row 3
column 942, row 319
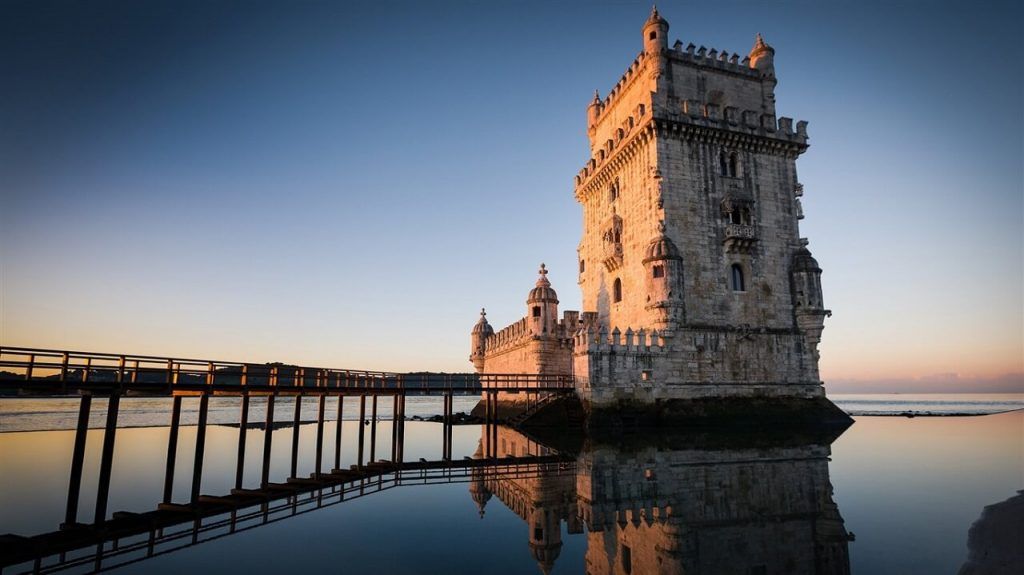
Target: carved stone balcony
column 739, row 238
column 612, row 256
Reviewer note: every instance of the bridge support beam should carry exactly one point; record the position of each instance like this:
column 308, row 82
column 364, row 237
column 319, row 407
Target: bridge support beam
column 77, row 462
column 243, row 431
column 107, row 457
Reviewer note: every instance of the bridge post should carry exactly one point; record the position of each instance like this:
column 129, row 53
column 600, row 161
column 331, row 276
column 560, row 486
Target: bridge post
column 362, row 432
column 267, row 440
column 320, row 434
column 197, row 466
column 337, row 432
column 295, row 435
column 243, row 428
column 373, row 430
column 77, row 461
column 172, row 449
column 401, row 428
column 394, row 427
column 107, row 457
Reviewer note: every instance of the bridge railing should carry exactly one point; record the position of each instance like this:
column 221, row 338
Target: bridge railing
column 34, row 368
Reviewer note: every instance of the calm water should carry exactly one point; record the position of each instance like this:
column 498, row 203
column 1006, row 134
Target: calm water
column 890, row 495
column 26, row 414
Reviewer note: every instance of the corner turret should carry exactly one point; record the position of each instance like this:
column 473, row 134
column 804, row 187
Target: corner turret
column 808, row 305
column 663, row 264
column 655, row 33
column 593, row 111
column 481, row 331
column 762, row 57
column 542, row 306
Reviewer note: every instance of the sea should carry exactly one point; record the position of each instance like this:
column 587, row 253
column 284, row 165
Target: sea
column 918, row 484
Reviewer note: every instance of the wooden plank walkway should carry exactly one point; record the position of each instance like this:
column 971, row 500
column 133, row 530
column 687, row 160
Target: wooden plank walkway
column 59, row 372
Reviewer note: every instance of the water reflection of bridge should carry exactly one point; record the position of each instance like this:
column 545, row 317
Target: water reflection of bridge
column 132, row 537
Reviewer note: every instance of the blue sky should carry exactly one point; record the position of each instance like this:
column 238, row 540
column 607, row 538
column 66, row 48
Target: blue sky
column 347, row 184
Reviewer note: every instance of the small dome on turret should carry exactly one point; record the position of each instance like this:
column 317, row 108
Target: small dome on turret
column 546, row 555
column 762, row 56
column 482, row 327
column 655, row 18
column 803, row 261
column 661, row 248
column 543, row 291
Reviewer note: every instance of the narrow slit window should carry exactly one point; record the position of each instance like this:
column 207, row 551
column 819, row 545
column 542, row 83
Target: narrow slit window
column 737, row 278
column 617, row 290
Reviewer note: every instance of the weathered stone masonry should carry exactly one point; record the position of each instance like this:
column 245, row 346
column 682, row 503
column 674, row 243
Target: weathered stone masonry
column 696, row 283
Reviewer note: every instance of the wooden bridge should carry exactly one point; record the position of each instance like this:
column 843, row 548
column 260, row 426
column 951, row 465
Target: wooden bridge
column 47, row 372
column 59, row 372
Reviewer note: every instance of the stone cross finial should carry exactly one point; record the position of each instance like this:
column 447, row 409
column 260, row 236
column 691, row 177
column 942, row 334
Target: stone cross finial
column 483, row 312
column 543, row 270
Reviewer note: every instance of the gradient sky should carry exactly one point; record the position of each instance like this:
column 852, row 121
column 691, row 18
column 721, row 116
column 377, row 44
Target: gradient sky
column 347, row 184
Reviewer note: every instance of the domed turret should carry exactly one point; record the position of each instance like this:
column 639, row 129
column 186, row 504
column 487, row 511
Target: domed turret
column 655, row 33
column 594, row 110
column 481, row 331
column 545, row 538
column 808, row 305
column 542, row 305
column 806, row 276
column 762, row 57
column 478, row 489
column 664, row 264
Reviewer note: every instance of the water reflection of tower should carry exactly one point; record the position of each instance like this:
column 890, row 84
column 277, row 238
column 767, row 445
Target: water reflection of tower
column 720, row 505
column 542, row 500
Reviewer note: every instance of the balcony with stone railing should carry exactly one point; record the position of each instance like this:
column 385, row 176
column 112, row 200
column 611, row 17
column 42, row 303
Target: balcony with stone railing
column 612, row 255
column 739, row 237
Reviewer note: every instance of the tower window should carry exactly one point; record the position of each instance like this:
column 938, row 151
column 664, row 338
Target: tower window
column 536, row 311
column 583, row 266
column 737, row 278
column 613, row 191
column 653, row 36
column 627, row 559
column 728, row 164
column 659, row 271
column 617, row 290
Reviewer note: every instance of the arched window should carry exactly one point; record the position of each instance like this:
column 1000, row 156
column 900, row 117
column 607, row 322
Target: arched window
column 723, row 165
column 613, row 191
column 617, row 291
column 733, row 163
column 737, row 278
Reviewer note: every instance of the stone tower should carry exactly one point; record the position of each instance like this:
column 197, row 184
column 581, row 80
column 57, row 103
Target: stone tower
column 700, row 298
column 691, row 258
